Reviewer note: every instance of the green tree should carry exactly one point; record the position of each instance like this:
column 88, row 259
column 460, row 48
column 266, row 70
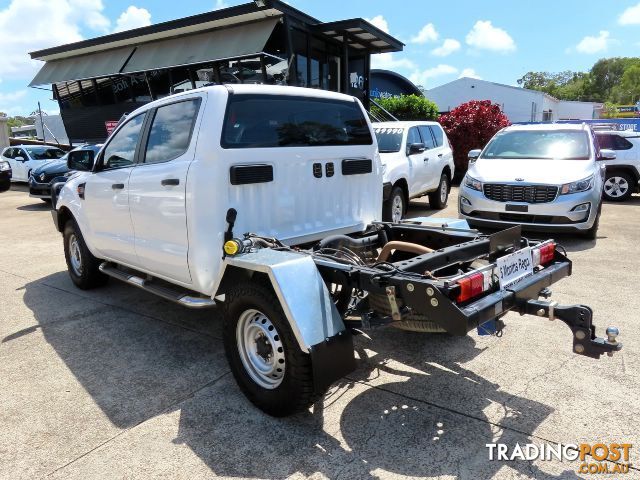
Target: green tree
column 606, row 75
column 407, row 107
column 630, row 84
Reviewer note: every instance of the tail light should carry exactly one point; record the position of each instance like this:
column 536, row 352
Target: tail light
column 543, row 253
column 474, row 284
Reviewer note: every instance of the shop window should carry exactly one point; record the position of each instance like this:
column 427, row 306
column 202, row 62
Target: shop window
column 300, row 49
column 547, row 116
column 89, row 97
column 121, row 89
column 180, row 80
column 159, row 83
column 139, row 88
column 105, row 91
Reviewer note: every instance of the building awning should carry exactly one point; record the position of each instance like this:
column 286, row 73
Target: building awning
column 100, row 64
column 231, row 42
column 360, row 35
column 220, row 44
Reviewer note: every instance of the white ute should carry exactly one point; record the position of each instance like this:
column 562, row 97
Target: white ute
column 268, row 199
column 417, row 160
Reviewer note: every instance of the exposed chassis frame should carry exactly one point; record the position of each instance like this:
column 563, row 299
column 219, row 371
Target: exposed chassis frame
column 433, row 297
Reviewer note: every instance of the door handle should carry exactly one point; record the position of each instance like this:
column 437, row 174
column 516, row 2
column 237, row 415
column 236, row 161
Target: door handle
column 170, row 182
column 117, row 186
column 426, row 159
column 439, row 155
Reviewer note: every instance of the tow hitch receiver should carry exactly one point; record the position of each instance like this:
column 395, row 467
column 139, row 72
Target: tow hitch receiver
column 578, row 318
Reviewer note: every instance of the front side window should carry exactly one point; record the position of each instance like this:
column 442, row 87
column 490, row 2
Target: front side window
column 262, row 121
column 539, row 144
column 438, row 134
column 171, row 131
column 121, row 150
column 427, row 139
column 413, row 137
column 40, row 153
column 389, row 139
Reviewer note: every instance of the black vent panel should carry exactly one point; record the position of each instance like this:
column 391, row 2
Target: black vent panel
column 317, row 170
column 329, row 169
column 503, row 192
column 247, row 174
column 356, row 166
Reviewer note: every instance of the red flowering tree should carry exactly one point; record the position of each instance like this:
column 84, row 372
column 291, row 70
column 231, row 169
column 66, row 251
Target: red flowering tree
column 471, row 125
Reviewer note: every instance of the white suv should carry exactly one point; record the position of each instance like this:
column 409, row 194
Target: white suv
column 25, row 158
column 623, row 173
column 416, row 160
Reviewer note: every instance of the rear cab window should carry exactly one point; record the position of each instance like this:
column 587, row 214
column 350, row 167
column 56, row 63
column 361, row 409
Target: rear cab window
column 267, row 121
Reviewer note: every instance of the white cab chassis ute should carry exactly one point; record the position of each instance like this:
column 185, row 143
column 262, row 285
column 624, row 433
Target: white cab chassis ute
column 267, row 199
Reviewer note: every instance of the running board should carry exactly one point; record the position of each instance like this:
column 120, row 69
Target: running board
column 181, row 297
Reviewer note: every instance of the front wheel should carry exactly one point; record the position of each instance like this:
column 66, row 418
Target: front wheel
column 264, row 356
column 394, row 208
column 617, row 186
column 82, row 265
column 438, row 198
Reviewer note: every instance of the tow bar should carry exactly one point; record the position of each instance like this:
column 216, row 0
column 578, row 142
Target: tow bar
column 578, row 319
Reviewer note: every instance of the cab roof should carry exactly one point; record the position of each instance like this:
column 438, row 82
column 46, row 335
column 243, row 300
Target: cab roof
column 402, row 124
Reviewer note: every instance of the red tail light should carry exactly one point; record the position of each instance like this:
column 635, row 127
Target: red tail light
column 470, row 287
column 547, row 252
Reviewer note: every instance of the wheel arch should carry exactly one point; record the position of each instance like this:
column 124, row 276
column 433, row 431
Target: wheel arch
column 404, row 185
column 629, row 169
column 61, row 219
column 447, row 171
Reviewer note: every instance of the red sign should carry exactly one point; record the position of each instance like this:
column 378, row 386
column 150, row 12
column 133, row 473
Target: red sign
column 111, row 126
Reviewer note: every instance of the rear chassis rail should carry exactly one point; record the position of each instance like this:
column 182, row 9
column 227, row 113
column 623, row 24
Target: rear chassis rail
column 433, row 297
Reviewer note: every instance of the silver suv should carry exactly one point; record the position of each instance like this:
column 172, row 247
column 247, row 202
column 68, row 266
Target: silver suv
column 543, row 177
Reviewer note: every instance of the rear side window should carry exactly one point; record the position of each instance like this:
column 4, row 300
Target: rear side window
column 8, row 152
column 438, row 134
column 614, row 142
column 262, row 121
column 171, row 131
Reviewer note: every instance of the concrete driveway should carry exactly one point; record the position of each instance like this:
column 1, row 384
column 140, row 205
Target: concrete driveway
column 116, row 383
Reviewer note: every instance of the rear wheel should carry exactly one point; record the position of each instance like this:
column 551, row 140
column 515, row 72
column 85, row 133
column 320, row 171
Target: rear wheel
column 394, row 208
column 264, row 356
column 618, row 186
column 438, row 198
column 82, row 265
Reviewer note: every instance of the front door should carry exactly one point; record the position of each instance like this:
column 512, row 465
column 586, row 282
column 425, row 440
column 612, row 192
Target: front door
column 157, row 190
column 107, row 195
column 20, row 167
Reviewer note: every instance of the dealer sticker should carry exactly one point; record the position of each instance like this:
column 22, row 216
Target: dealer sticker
column 514, row 267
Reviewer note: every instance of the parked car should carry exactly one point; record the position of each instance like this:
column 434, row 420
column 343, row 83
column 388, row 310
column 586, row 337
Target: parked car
column 24, row 158
column 167, row 201
column 623, row 172
column 543, row 177
column 5, row 176
column 416, row 160
column 55, row 171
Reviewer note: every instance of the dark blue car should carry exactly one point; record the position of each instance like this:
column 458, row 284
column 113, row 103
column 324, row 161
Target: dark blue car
column 43, row 177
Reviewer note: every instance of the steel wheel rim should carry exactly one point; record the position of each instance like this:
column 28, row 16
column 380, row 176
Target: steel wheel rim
column 616, row 186
column 75, row 255
column 260, row 348
column 443, row 191
column 397, row 209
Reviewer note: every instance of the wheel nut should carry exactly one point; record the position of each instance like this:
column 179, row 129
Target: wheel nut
column 430, row 291
column 579, row 348
column 434, row 302
column 410, row 287
column 580, row 335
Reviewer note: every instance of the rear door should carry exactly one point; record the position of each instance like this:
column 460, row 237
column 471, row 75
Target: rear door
column 157, row 190
column 417, row 163
column 432, row 169
column 300, row 167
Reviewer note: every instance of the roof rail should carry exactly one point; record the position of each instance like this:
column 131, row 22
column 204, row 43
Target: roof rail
column 605, row 127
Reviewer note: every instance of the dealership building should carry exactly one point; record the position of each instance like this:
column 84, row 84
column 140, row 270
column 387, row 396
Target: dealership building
column 98, row 80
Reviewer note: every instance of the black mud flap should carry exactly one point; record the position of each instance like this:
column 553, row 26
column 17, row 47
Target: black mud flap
column 331, row 360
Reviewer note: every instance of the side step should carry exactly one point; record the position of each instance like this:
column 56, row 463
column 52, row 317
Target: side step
column 181, row 297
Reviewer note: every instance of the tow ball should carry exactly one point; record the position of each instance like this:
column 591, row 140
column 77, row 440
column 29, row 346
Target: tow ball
column 579, row 319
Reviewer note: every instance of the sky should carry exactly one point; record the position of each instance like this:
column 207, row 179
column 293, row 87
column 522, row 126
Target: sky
column 494, row 40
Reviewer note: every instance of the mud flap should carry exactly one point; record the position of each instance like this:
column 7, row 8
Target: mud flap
column 331, row 360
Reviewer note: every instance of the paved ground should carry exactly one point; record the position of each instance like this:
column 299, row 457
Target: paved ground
column 116, row 383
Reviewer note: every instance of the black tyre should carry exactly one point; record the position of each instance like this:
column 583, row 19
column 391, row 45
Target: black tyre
column 263, row 354
column 82, row 265
column 618, row 186
column 438, row 198
column 395, row 207
column 592, row 233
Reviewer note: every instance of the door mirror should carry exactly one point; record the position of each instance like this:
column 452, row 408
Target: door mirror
column 19, row 159
column 80, row 160
column 474, row 154
column 606, row 154
column 414, row 148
